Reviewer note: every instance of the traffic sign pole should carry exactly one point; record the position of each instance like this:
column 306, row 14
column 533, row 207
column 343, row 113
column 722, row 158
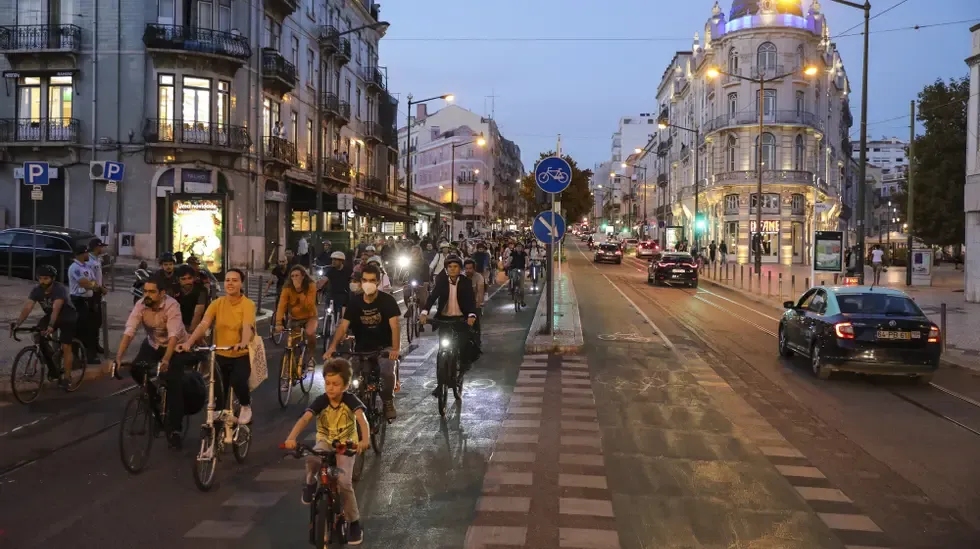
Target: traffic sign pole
column 552, row 175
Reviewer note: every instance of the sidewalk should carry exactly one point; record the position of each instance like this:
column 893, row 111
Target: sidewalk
column 567, row 338
column 962, row 318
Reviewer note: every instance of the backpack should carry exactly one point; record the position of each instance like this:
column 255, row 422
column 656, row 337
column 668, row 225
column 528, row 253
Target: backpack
column 195, row 392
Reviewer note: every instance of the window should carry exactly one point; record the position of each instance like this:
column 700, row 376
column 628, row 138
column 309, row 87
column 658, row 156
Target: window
column 819, row 303
column 59, row 100
column 797, row 202
column 310, row 72
column 224, row 15
column 205, row 14
column 768, row 103
column 165, row 12
column 224, row 102
column 165, row 106
column 294, row 59
column 196, row 109
column 358, row 109
column 768, row 151
column 310, row 146
column 800, row 103
column 271, row 33
column 29, row 98
column 293, row 127
column 733, row 61
column 800, row 57
column 799, row 150
column 732, row 152
column 732, row 104
column 347, row 97
column 731, row 204
column 770, row 203
column 270, row 115
column 767, row 57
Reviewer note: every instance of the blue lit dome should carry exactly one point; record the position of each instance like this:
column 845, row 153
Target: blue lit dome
column 741, row 8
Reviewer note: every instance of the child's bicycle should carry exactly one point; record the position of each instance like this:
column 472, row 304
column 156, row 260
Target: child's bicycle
column 328, row 527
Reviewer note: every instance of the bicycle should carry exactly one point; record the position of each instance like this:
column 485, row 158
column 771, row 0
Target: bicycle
column 327, row 524
column 366, row 386
column 535, row 273
column 273, row 334
column 292, row 370
column 40, row 358
column 552, row 173
column 331, row 319
column 238, row 436
column 152, row 421
column 448, row 372
column 411, row 313
column 517, row 288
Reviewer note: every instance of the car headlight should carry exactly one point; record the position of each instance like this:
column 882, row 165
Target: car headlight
column 446, row 342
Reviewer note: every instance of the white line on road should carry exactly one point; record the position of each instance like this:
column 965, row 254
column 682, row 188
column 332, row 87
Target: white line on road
column 715, row 305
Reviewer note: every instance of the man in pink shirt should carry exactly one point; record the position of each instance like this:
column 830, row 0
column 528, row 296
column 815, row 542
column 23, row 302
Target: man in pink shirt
column 159, row 315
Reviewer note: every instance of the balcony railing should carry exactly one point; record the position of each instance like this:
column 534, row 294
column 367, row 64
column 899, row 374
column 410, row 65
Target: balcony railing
column 799, row 177
column 333, row 106
column 374, row 184
column 54, row 131
column 285, row 7
column 373, row 131
column 751, row 118
column 40, row 38
column 329, row 38
column 466, row 179
column 336, row 169
column 196, row 40
column 374, row 78
column 768, row 71
column 467, row 202
column 343, row 53
column 275, row 66
column 205, row 134
column 279, row 149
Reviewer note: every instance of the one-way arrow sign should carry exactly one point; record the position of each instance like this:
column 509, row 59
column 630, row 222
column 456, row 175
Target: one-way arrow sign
column 547, row 232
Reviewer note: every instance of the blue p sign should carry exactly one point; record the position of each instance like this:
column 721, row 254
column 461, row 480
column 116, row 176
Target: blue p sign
column 114, row 171
column 35, row 173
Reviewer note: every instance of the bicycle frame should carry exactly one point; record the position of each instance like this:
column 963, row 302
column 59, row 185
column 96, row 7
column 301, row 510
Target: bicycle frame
column 226, row 416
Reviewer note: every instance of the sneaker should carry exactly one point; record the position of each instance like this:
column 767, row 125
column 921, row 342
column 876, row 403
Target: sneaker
column 390, row 412
column 309, row 490
column 175, row 441
column 245, row 416
column 355, row 536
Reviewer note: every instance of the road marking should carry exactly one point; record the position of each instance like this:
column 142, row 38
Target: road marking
column 529, row 389
column 777, row 451
column 582, row 506
column 589, row 441
column 579, row 426
column 582, row 481
column 741, row 318
column 513, row 457
column 592, row 460
column 522, row 423
column 254, row 499
column 575, row 391
column 282, row 475
column 525, row 399
column 576, row 381
column 220, row 529
column 518, row 438
column 496, row 476
column 505, row 504
column 578, row 412
column 578, row 401
column 838, row 521
column 583, row 538
column 799, row 471
column 822, row 494
column 533, row 410
column 478, row 537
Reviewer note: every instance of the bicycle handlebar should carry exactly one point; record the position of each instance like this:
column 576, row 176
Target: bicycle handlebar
column 14, row 331
column 348, row 448
column 211, row 348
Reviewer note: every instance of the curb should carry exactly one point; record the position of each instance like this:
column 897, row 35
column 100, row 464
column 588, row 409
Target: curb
column 537, row 343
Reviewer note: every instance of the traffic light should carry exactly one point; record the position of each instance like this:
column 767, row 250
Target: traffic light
column 700, row 223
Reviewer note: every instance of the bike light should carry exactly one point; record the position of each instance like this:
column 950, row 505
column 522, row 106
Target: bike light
column 403, row 262
column 844, row 330
column 319, row 272
column 414, row 283
column 355, row 383
column 445, row 342
column 933, row 334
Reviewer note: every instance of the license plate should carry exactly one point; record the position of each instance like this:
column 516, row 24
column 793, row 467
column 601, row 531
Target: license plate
column 889, row 334
column 675, row 276
column 679, row 271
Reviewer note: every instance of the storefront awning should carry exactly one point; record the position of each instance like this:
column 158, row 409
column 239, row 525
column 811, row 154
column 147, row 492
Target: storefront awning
column 368, row 208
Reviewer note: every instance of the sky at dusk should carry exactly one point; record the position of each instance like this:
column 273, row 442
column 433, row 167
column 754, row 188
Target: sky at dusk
column 614, row 55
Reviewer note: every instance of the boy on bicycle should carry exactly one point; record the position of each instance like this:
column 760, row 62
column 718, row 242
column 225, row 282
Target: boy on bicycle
column 339, row 416
column 59, row 314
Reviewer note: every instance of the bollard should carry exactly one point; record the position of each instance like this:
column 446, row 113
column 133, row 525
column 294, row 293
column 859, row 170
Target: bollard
column 112, row 274
column 806, row 283
column 768, row 285
column 741, row 269
column 822, row 283
column 942, row 324
column 10, row 264
column 792, row 285
column 105, row 326
column 835, row 278
column 750, row 279
column 780, row 285
column 716, row 270
column 258, row 301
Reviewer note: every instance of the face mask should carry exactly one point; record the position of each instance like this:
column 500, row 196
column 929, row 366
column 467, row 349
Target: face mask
column 369, row 288
column 355, row 287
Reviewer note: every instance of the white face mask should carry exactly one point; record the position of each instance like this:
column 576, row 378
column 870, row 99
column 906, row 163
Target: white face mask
column 369, row 288
column 355, row 287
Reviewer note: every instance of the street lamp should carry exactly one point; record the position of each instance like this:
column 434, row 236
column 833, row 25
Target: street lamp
column 713, row 72
column 663, row 125
column 480, row 141
column 408, row 155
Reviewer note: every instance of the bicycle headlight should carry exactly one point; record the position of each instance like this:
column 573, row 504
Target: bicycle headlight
column 446, row 342
column 319, row 272
column 355, row 383
column 414, row 283
column 403, row 262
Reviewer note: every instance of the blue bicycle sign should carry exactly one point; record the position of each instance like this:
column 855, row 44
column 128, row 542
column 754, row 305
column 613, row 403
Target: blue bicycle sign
column 553, row 174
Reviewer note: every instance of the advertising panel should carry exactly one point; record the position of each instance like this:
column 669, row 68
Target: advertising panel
column 199, row 228
column 673, row 235
column 828, row 251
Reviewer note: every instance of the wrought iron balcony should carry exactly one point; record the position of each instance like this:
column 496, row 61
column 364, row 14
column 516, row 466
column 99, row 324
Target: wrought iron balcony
column 373, row 184
column 468, row 179
column 36, row 39
column 203, row 135
column 334, row 108
column 768, row 71
column 194, row 40
column 336, row 169
column 343, row 53
column 279, row 74
column 374, row 79
column 58, row 132
column 799, row 177
column 279, row 150
column 746, row 118
column 373, row 132
column 329, row 38
column 284, row 8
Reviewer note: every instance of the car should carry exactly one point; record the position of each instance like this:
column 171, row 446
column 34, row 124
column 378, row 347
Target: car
column 647, row 248
column 608, row 252
column 55, row 247
column 584, row 237
column 673, row 268
column 860, row 329
column 630, row 243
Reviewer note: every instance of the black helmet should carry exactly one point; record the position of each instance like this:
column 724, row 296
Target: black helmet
column 453, row 259
column 47, row 270
column 166, row 257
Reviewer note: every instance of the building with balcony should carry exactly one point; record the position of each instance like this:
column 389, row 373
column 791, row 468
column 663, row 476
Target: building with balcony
column 803, row 146
column 213, row 111
column 886, row 153
column 971, row 201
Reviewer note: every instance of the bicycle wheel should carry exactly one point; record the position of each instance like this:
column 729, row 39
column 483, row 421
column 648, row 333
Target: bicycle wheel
column 379, row 424
column 28, row 369
column 322, row 523
column 306, row 381
column 206, row 459
column 136, row 433
column 79, row 363
column 457, row 378
column 442, row 381
column 285, row 378
column 409, row 319
column 241, row 443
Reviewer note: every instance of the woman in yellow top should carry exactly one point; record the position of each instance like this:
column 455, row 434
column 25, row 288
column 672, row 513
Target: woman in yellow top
column 299, row 297
column 233, row 316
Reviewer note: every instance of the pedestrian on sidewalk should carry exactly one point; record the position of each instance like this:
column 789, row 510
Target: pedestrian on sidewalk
column 723, row 250
column 712, row 250
column 81, row 286
column 97, row 248
column 876, row 264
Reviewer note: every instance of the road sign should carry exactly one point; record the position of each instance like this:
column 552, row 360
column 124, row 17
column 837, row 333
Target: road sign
column 114, row 171
column 345, row 202
column 553, row 174
column 547, row 232
column 37, row 193
column 111, row 187
column 36, row 173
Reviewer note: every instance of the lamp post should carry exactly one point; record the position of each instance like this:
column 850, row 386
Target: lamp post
column 408, row 155
column 664, row 124
column 863, row 154
column 713, row 72
column 480, row 141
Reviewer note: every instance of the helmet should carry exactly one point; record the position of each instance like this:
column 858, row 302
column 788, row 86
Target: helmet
column 443, row 244
column 47, row 270
column 453, row 259
column 369, row 249
column 338, row 255
column 374, row 259
column 166, row 257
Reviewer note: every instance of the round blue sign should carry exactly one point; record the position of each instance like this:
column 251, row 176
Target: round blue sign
column 547, row 228
column 553, row 174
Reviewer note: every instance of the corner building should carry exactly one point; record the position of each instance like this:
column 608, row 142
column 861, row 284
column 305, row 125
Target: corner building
column 212, row 107
column 804, row 144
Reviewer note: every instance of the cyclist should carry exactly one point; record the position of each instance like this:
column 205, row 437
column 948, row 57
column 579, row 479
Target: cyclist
column 418, row 270
column 481, row 260
column 167, row 265
column 59, row 314
column 233, row 316
column 479, row 290
column 279, row 275
column 299, row 297
column 385, row 281
column 516, row 264
column 537, row 257
column 373, row 319
column 456, row 299
column 339, row 414
column 438, row 263
column 337, row 280
column 160, row 316
column 193, row 297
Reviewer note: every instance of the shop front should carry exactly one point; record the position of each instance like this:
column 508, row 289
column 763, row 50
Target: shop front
column 374, row 221
column 765, row 240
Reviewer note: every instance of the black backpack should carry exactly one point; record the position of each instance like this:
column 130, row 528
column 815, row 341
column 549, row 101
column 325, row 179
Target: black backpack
column 195, row 392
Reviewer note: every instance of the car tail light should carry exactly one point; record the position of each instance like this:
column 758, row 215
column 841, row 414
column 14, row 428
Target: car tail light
column 933, row 334
column 691, row 265
column 844, row 330
column 619, row 252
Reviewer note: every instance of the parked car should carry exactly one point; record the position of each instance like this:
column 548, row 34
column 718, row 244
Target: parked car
column 673, row 268
column 608, row 251
column 861, row 329
column 55, row 247
column 647, row 248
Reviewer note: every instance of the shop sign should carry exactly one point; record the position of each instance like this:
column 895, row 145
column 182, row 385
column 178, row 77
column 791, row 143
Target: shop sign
column 768, row 226
column 275, row 196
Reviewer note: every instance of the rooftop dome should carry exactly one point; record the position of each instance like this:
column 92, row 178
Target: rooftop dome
column 741, row 8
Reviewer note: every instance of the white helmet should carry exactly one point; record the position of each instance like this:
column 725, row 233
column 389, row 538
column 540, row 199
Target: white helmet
column 443, row 244
column 338, row 255
column 369, row 249
column 375, row 259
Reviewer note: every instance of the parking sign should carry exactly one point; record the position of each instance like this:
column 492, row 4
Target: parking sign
column 36, row 173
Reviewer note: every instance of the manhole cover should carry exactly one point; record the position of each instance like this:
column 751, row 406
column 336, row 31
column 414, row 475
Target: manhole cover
column 627, row 338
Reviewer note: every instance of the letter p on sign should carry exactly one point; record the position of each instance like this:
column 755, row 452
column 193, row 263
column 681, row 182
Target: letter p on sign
column 35, row 173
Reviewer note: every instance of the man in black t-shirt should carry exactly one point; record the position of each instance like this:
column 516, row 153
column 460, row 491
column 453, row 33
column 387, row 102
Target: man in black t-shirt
column 193, row 298
column 372, row 318
column 59, row 314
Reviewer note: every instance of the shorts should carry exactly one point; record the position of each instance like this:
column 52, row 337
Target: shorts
column 65, row 325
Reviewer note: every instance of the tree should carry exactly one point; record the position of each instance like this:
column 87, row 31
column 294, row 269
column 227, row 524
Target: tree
column 939, row 163
column 576, row 200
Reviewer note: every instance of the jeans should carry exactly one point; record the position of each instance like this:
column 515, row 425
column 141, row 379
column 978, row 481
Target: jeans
column 146, row 361
column 345, row 481
column 387, row 368
column 234, row 373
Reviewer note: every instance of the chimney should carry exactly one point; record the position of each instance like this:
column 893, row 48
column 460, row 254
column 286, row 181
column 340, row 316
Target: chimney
column 421, row 113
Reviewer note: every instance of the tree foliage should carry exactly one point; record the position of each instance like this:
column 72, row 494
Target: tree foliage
column 576, row 200
column 939, row 163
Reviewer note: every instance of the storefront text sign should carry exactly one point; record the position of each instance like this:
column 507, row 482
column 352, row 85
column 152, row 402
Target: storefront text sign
column 768, row 226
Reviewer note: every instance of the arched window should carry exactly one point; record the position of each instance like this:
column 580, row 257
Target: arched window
column 768, row 151
column 800, row 151
column 731, row 152
column 733, row 61
column 767, row 57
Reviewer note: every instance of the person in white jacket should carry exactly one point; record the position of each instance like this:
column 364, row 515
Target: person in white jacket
column 438, row 263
